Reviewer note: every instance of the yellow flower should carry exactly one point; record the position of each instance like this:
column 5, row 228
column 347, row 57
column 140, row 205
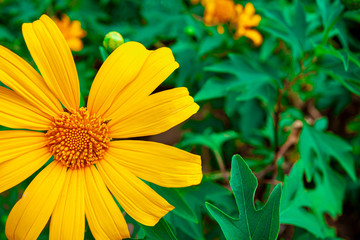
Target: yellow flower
column 72, row 31
column 91, row 154
column 198, row 1
column 194, row 1
column 244, row 20
column 218, row 12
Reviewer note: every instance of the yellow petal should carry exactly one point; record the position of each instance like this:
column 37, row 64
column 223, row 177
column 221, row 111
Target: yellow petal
column 65, row 18
column 255, row 36
column 15, row 112
column 25, row 81
column 75, row 44
column 14, row 143
column 53, row 57
column 119, row 70
column 103, row 215
column 254, row 21
column 239, row 9
column 76, row 30
column 68, row 218
column 157, row 163
column 129, row 91
column 63, row 22
column 16, row 170
column 135, row 197
column 31, row 213
column 158, row 66
column 249, row 9
column 209, row 13
column 156, row 114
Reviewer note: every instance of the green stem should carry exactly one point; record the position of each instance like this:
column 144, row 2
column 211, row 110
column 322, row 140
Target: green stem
column 221, row 164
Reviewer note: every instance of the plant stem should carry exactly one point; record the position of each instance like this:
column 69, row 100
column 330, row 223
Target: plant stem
column 221, row 164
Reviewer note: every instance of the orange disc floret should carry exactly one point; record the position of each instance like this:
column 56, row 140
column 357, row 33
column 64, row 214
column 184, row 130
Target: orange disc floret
column 78, row 139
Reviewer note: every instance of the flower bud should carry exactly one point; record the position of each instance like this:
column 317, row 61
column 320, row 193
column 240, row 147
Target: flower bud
column 189, row 30
column 112, row 40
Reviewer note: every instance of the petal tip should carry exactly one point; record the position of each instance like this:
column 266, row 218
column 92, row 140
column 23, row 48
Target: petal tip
column 45, row 17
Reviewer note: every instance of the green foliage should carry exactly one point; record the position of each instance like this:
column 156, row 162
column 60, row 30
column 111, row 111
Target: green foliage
column 289, row 107
column 294, row 203
column 252, row 223
column 316, row 148
column 161, row 230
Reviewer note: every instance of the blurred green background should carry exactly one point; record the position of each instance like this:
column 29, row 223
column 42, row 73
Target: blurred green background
column 289, row 107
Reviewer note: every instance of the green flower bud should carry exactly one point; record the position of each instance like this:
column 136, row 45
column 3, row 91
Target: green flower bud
column 112, row 40
column 351, row 4
column 189, row 30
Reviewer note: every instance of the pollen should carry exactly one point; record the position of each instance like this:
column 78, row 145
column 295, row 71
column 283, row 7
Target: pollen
column 78, row 139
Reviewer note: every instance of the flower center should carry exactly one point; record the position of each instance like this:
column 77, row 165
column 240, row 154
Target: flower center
column 78, row 139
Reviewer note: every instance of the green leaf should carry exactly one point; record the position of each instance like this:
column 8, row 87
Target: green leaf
column 321, row 124
column 215, row 87
column 331, row 63
column 276, row 23
column 341, row 54
column 300, row 23
column 252, row 223
column 294, row 201
column 103, row 53
column 6, row 34
column 248, row 79
column 301, row 234
column 241, row 67
column 344, row 55
column 175, row 198
column 248, row 125
column 328, row 195
column 214, row 141
column 185, row 228
column 318, row 147
column 185, row 52
column 161, row 231
column 209, row 43
column 196, row 196
column 330, row 13
column 330, row 94
column 265, row 91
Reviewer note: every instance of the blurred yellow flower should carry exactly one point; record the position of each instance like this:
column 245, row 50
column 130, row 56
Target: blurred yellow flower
column 245, row 19
column 218, row 12
column 241, row 20
column 91, row 156
column 72, row 32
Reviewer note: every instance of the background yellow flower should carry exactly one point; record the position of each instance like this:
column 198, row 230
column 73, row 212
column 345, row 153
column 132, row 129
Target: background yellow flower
column 218, row 12
column 244, row 21
column 72, row 31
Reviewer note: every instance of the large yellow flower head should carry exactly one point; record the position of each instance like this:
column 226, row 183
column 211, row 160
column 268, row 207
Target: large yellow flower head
column 72, row 31
column 91, row 154
column 245, row 19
